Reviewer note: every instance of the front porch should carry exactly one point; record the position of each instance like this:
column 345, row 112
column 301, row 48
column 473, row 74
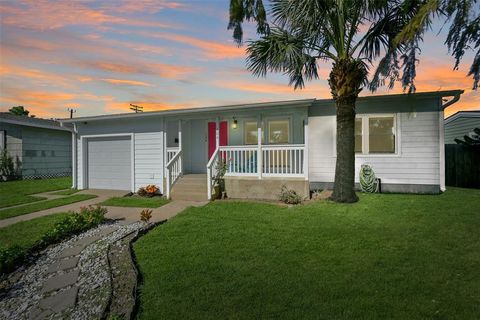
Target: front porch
column 248, row 148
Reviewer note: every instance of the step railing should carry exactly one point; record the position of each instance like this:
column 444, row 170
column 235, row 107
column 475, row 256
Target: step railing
column 171, row 152
column 212, row 166
column 174, row 171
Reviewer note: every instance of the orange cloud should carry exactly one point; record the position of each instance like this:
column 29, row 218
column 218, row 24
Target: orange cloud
column 312, row 89
column 209, row 49
column 127, row 82
column 50, row 15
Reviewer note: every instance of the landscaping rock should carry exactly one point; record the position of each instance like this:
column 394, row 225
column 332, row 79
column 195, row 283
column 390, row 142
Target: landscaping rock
column 70, row 280
column 63, row 265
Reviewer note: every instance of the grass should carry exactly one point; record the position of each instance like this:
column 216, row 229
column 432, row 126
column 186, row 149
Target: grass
column 26, row 233
column 43, row 205
column 67, row 192
column 385, row 257
column 18, row 192
column 138, row 202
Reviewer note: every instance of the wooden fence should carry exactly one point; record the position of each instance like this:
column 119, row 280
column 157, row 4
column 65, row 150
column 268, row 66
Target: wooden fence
column 462, row 166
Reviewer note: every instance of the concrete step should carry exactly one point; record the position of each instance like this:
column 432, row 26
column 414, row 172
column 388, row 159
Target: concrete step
column 190, row 187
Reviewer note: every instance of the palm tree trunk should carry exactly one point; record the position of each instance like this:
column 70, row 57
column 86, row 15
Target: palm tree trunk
column 345, row 82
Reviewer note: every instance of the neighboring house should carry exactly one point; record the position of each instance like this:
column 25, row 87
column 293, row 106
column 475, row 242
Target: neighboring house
column 42, row 148
column 461, row 124
column 265, row 145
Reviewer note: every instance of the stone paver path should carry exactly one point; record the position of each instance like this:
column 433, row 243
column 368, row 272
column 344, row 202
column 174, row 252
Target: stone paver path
column 72, row 280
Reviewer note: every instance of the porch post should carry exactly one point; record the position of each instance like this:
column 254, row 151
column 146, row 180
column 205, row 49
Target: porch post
column 180, row 145
column 305, row 150
column 217, row 132
column 165, row 158
column 259, row 147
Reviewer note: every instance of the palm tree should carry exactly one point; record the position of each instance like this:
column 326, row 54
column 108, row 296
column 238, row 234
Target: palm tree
column 353, row 35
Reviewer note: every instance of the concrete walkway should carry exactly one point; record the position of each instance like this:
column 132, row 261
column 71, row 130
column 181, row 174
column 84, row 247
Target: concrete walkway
column 102, row 195
column 127, row 214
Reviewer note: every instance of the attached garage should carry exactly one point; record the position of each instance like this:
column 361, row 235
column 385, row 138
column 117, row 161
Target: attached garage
column 109, row 163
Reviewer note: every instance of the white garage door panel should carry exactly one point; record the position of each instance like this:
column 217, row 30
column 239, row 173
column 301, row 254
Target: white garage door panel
column 109, row 163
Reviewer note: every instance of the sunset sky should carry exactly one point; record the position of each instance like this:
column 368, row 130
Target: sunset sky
column 100, row 56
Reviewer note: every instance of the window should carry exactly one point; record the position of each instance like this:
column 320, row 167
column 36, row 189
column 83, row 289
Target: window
column 278, row 131
column 251, row 132
column 375, row 134
column 381, row 135
column 358, row 135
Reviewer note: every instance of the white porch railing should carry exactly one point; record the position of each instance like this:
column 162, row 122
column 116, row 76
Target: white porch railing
column 258, row 161
column 240, row 160
column 283, row 160
column 171, row 152
column 174, row 171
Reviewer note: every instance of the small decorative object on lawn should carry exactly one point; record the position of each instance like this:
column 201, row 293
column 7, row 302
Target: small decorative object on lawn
column 289, row 196
column 146, row 215
column 368, row 181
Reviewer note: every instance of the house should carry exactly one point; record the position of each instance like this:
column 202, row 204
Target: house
column 41, row 148
column 264, row 145
column 461, row 124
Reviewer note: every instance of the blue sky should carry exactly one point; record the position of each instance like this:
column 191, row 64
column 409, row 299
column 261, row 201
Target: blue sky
column 100, row 56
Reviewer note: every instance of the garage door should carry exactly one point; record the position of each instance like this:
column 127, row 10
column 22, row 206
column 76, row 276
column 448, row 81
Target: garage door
column 109, row 162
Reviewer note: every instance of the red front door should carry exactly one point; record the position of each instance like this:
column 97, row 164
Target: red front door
column 211, row 136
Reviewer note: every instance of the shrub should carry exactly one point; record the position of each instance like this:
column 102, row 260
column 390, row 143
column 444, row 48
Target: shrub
column 151, row 190
column 9, row 169
column 289, row 196
column 146, row 215
column 10, row 257
column 74, row 223
column 142, row 192
column 148, row 191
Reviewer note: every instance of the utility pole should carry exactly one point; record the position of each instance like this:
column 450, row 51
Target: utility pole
column 72, row 111
column 136, row 108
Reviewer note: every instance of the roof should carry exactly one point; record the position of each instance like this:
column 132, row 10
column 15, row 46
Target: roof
column 7, row 117
column 289, row 103
column 463, row 114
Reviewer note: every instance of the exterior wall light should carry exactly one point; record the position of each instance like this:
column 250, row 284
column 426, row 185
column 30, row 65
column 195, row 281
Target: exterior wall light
column 235, row 123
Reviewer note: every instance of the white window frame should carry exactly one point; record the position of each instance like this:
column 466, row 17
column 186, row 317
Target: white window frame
column 267, row 131
column 245, row 131
column 365, row 136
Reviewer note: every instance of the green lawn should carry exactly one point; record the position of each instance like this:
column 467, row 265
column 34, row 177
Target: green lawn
column 43, row 205
column 138, row 202
column 26, row 233
column 67, row 192
column 385, row 257
column 17, row 192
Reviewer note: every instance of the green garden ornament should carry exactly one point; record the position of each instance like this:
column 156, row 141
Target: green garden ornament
column 368, row 181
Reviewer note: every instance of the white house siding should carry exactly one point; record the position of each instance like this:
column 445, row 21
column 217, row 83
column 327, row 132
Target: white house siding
column 149, row 159
column 417, row 162
column 148, row 147
column 460, row 127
